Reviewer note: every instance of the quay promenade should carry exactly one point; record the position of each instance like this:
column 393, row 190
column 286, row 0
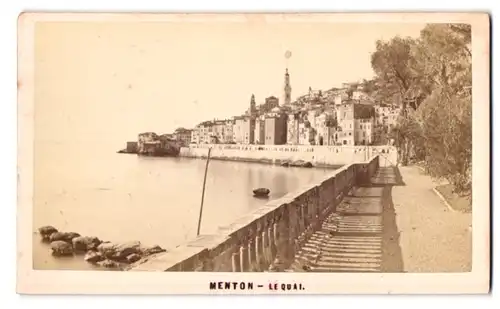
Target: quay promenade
column 361, row 218
column 269, row 237
column 275, row 154
column 394, row 224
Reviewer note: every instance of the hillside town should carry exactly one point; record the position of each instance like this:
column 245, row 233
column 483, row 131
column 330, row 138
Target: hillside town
column 338, row 116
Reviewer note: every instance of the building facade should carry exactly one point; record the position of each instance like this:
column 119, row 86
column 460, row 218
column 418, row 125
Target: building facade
column 259, row 134
column 326, row 128
column 364, row 131
column 355, row 123
column 218, row 133
column 386, row 115
column 275, row 129
column 228, row 133
column 183, row 136
column 238, row 129
column 306, row 133
column 195, row 135
column 248, row 130
column 292, row 137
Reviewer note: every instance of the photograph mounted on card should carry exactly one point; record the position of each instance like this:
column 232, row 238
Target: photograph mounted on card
column 253, row 153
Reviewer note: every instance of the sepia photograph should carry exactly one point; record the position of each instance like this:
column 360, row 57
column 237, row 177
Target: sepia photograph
column 236, row 153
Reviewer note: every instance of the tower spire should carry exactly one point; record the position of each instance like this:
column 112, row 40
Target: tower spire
column 287, row 89
column 252, row 106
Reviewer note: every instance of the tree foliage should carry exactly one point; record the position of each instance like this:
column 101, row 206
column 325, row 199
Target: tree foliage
column 392, row 63
column 435, row 70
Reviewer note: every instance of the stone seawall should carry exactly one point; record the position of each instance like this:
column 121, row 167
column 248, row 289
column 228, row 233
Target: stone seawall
column 268, row 237
column 275, row 154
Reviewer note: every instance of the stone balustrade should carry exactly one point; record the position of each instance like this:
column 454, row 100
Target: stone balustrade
column 269, row 236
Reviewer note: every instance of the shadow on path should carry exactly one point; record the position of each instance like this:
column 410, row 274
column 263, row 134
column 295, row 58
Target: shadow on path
column 364, row 237
column 392, row 259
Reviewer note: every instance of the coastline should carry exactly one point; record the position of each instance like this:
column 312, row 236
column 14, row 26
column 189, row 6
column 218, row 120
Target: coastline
column 320, row 156
column 287, row 155
column 277, row 162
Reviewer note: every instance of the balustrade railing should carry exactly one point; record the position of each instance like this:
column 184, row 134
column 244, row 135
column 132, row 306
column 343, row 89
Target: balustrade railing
column 269, row 237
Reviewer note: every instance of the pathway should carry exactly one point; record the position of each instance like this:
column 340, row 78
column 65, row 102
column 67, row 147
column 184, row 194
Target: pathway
column 395, row 224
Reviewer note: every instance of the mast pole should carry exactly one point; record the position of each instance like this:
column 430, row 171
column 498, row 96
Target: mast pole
column 203, row 192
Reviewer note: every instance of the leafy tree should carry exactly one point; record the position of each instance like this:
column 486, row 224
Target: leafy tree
column 380, row 135
column 447, row 130
column 350, row 91
column 436, row 71
column 443, row 57
column 369, row 87
column 392, row 64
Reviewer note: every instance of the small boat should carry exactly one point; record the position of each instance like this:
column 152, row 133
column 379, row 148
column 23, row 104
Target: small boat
column 261, row 192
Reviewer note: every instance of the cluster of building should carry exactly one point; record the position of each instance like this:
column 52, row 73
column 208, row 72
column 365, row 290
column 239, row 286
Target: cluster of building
column 150, row 143
column 338, row 116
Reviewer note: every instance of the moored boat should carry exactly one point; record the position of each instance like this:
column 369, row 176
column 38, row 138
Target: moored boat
column 261, row 192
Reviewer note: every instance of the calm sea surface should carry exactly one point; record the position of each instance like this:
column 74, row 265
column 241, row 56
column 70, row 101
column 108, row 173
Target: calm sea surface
column 92, row 190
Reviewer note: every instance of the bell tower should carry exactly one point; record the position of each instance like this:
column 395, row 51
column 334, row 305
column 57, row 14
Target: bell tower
column 253, row 109
column 287, row 89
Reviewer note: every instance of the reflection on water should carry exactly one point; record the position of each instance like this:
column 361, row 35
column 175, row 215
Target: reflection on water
column 121, row 197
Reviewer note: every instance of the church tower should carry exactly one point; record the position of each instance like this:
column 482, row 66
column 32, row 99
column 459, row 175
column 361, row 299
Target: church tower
column 288, row 89
column 253, row 109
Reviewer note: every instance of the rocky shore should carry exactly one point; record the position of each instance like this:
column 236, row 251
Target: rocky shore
column 116, row 256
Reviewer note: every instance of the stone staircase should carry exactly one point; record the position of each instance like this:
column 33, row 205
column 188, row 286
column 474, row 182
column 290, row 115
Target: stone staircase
column 350, row 240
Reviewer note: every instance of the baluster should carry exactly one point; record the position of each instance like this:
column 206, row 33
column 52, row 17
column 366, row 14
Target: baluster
column 283, row 242
column 251, row 254
column 235, row 261
column 272, row 245
column 291, row 232
column 302, row 219
column 259, row 252
column 244, row 265
column 266, row 247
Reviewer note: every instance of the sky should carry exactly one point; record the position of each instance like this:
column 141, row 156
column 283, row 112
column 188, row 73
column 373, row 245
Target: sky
column 109, row 81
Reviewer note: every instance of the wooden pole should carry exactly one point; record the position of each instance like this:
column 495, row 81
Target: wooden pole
column 203, row 192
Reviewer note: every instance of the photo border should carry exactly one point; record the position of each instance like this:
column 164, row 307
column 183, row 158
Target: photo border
column 30, row 281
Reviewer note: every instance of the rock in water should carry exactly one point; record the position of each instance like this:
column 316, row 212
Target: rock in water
column 67, row 237
column 153, row 250
column 57, row 236
column 70, row 235
column 307, row 164
column 61, row 248
column 85, row 243
column 132, row 258
column 106, row 246
column 297, row 163
column 46, row 231
column 119, row 252
column 93, row 257
column 109, row 264
column 125, row 249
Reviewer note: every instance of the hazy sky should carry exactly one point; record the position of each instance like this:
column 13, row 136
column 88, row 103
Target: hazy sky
column 110, row 81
